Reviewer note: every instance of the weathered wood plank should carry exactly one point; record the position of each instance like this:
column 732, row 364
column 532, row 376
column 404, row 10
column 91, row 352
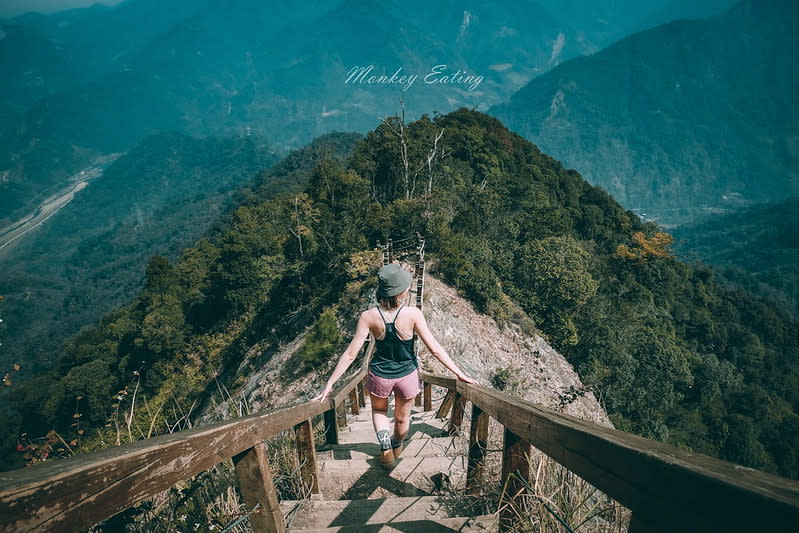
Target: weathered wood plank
column 76, row 493
column 420, row 279
column 361, row 394
column 354, row 405
column 689, row 487
column 428, row 397
column 478, row 439
column 446, row 404
column 515, row 474
column 441, row 381
column 257, row 488
column 306, row 454
column 331, row 427
column 456, row 418
column 341, row 415
column 515, row 463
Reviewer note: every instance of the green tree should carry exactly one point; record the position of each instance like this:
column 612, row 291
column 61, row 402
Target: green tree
column 554, row 281
column 322, row 340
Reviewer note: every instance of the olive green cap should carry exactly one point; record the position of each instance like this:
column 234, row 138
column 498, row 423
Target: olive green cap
column 392, row 280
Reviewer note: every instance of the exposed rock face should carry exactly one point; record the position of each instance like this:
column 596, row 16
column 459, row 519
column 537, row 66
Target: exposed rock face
column 475, row 341
column 480, row 346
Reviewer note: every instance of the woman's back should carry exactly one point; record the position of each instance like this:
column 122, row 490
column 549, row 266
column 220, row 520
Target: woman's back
column 402, row 319
column 394, row 355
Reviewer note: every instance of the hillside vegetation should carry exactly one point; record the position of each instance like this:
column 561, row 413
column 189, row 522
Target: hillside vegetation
column 89, row 258
column 674, row 355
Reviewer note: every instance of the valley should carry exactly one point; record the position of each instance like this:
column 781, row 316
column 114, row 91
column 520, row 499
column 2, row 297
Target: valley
column 11, row 233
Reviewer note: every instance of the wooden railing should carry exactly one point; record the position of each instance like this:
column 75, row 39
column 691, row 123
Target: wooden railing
column 74, row 494
column 668, row 489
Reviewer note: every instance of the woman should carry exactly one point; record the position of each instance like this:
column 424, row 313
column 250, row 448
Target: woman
column 394, row 367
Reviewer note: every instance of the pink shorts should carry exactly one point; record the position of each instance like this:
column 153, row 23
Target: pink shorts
column 405, row 387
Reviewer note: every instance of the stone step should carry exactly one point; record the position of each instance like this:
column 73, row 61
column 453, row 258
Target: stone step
column 377, row 513
column 411, row 476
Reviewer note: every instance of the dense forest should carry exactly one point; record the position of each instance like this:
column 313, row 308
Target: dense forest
column 756, row 248
column 164, row 194
column 672, row 353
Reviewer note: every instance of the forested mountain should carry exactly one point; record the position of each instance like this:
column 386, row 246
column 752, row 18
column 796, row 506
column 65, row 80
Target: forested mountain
column 755, row 248
column 88, row 258
column 675, row 355
column 602, row 23
column 679, row 119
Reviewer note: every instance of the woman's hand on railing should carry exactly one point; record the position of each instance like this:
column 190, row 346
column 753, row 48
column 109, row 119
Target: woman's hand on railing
column 323, row 395
column 466, row 379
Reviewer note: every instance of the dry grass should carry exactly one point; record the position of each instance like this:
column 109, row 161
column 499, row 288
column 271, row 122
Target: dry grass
column 555, row 499
column 210, row 501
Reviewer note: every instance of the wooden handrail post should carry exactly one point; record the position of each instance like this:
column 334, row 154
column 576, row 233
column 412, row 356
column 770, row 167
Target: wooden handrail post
column 255, row 482
column 331, row 427
column 417, row 401
column 354, row 404
column 341, row 415
column 306, row 453
column 428, row 397
column 456, row 418
column 478, row 438
column 446, row 404
column 361, row 393
column 515, row 468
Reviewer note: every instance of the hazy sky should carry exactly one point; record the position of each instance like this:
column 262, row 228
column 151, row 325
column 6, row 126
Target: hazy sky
column 10, row 8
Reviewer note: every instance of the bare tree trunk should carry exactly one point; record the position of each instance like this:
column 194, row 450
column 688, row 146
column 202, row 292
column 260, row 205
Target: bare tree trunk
column 436, row 154
column 404, row 148
column 400, row 133
column 298, row 233
column 431, row 160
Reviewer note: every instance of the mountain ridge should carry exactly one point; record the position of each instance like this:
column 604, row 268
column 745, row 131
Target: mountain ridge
column 671, row 129
column 675, row 355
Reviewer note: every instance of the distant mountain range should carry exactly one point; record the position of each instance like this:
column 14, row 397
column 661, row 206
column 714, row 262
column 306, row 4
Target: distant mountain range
column 679, row 120
column 602, row 23
column 95, row 81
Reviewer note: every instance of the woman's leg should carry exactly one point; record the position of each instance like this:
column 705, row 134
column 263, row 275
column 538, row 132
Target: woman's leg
column 380, row 421
column 402, row 421
column 379, row 412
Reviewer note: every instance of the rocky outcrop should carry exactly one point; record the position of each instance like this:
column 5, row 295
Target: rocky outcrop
column 478, row 344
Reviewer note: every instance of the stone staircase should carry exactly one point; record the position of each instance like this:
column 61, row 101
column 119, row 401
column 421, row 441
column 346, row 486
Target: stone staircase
column 423, row 492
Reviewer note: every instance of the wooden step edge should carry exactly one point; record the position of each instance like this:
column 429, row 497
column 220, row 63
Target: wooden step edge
column 322, row 514
column 461, row 524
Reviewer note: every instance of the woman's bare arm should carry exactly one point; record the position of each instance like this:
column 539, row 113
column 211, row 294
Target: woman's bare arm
column 420, row 326
column 349, row 355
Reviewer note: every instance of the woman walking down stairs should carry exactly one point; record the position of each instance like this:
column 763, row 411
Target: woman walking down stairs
column 421, row 492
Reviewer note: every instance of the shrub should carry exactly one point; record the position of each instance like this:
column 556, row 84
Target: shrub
column 507, row 379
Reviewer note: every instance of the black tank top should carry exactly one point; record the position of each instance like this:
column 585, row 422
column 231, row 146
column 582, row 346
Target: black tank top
column 394, row 357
